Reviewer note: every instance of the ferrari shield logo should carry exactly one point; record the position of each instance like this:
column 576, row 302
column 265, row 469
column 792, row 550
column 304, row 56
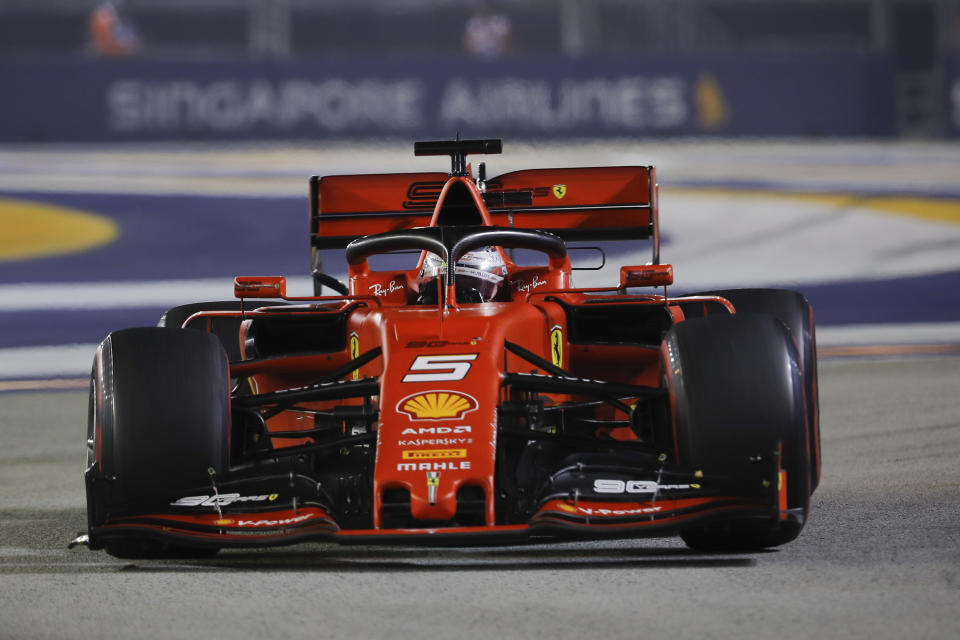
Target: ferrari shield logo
column 559, row 190
column 556, row 345
column 355, row 352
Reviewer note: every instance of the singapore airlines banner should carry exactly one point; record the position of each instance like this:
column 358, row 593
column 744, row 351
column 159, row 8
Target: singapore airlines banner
column 140, row 100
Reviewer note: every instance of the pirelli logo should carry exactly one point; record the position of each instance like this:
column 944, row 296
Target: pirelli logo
column 435, row 454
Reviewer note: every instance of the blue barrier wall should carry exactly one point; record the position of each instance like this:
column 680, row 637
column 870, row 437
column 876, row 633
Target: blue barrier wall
column 130, row 100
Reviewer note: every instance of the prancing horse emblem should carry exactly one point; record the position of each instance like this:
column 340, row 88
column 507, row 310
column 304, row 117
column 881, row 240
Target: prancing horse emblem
column 556, row 345
column 559, row 190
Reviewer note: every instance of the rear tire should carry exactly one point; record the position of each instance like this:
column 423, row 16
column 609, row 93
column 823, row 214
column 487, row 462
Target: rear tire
column 159, row 419
column 738, row 391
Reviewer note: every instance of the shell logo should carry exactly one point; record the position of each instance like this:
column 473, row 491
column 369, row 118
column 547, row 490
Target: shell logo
column 437, row 405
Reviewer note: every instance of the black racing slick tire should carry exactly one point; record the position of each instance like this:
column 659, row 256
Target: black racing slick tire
column 159, row 421
column 794, row 311
column 736, row 393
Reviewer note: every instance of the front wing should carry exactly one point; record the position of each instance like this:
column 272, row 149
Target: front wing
column 226, row 520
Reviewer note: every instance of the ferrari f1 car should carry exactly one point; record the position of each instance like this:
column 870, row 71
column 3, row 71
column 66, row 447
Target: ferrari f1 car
column 465, row 395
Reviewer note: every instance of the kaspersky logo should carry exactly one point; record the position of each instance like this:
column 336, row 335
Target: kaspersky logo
column 437, row 405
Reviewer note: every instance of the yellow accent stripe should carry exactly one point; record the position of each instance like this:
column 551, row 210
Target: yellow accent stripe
column 941, row 210
column 936, row 209
column 36, row 230
column 434, row 454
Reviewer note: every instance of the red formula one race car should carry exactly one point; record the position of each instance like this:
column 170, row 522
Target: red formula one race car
column 456, row 393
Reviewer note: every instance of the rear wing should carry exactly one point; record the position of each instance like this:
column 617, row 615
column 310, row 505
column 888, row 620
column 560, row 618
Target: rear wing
column 595, row 203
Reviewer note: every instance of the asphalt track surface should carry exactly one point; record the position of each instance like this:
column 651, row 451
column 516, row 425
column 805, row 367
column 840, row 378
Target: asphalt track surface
column 880, row 557
column 868, row 232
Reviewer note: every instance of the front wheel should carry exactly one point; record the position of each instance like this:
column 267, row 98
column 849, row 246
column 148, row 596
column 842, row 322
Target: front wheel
column 737, row 390
column 159, row 420
column 794, row 311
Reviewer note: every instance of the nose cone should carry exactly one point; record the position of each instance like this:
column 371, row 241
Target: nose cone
column 435, row 442
column 437, row 436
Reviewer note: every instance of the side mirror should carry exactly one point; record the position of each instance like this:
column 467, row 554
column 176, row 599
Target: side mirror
column 260, row 287
column 648, row 275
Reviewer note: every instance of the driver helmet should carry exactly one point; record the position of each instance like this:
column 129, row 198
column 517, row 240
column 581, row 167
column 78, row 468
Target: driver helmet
column 479, row 276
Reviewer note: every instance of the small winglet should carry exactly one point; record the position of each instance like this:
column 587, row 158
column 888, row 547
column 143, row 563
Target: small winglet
column 457, row 150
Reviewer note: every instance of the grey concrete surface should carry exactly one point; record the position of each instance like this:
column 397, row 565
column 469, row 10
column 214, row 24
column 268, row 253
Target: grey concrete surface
column 880, row 557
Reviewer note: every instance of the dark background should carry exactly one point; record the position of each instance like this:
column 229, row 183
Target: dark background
column 807, row 68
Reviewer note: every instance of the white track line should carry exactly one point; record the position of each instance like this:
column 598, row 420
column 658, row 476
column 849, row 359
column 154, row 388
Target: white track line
column 46, row 362
column 889, row 334
column 282, row 169
column 125, row 295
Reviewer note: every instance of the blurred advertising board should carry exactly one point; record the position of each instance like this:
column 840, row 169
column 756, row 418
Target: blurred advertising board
column 133, row 100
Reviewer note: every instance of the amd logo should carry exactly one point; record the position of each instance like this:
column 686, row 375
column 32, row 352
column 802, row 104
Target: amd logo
column 420, row 431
